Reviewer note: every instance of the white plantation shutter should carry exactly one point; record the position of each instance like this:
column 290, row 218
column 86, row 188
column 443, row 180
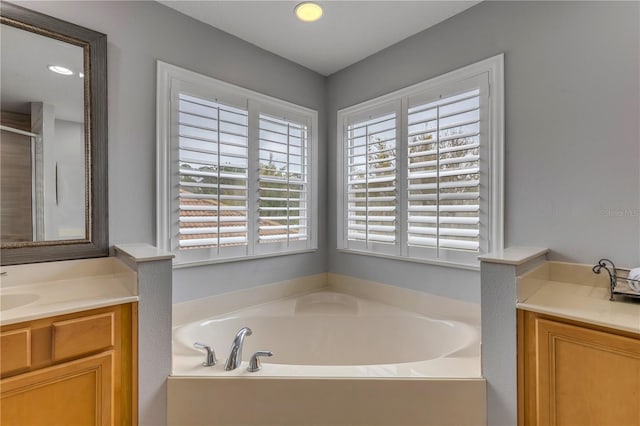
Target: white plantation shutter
column 213, row 174
column 283, row 190
column 443, row 173
column 422, row 168
column 236, row 171
column 371, row 182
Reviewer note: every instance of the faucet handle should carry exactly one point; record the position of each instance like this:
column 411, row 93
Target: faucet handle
column 254, row 362
column 211, row 355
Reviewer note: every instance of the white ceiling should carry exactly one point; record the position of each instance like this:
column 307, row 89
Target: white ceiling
column 347, row 32
column 25, row 77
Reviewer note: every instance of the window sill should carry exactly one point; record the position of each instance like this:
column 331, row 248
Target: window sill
column 238, row 259
column 468, row 267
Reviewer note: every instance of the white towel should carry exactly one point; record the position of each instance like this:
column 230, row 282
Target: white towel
column 634, row 274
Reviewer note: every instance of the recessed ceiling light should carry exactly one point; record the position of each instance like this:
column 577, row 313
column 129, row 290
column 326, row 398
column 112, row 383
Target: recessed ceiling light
column 60, row 70
column 308, row 11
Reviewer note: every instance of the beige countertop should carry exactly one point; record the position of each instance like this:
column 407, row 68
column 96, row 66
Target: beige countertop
column 573, row 292
column 29, row 292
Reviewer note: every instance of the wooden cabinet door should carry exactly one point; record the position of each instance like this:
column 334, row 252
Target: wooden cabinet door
column 586, row 377
column 74, row 393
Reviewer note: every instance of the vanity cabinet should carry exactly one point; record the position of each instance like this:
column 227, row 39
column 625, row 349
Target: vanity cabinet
column 572, row 373
column 75, row 369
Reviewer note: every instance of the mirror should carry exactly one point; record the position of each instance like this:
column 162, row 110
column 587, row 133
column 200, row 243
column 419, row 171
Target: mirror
column 42, row 139
column 53, row 139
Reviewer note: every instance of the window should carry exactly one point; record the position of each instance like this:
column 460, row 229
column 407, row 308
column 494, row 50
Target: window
column 371, row 182
column 236, row 177
column 283, row 181
column 213, row 168
column 421, row 169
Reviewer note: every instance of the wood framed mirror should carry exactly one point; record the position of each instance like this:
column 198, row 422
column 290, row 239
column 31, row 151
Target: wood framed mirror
column 53, row 119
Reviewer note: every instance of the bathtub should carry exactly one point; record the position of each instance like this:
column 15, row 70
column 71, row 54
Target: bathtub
column 337, row 359
column 328, row 334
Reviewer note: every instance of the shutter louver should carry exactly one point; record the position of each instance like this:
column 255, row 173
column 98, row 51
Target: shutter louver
column 443, row 197
column 371, row 180
column 213, row 183
column 283, row 181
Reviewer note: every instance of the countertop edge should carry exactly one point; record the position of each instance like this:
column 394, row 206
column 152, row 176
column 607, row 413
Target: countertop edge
column 63, row 310
column 562, row 313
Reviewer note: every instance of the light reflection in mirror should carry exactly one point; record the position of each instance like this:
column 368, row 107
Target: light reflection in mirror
column 42, row 144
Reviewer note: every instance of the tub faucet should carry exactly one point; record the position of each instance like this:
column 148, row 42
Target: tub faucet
column 235, row 355
column 211, row 355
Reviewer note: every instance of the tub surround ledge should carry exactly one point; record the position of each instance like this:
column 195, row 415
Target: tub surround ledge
column 412, row 300
column 419, row 302
column 192, row 310
column 34, row 291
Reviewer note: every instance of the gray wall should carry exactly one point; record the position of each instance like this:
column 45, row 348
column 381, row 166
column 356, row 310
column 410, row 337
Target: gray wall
column 572, row 135
column 572, row 151
column 138, row 34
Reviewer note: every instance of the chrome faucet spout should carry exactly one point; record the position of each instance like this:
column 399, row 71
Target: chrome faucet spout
column 235, row 354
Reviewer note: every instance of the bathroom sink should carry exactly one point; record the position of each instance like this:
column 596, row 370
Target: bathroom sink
column 11, row 301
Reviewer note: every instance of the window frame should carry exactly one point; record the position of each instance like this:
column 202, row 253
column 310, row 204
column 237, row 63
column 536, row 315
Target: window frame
column 492, row 174
column 170, row 80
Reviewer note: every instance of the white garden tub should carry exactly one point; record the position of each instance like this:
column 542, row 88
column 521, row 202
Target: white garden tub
column 337, row 360
column 328, row 334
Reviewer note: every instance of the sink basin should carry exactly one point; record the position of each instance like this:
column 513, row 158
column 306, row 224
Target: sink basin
column 11, row 301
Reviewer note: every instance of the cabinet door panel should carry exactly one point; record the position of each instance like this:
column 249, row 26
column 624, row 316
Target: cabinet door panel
column 74, row 393
column 16, row 350
column 586, row 377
